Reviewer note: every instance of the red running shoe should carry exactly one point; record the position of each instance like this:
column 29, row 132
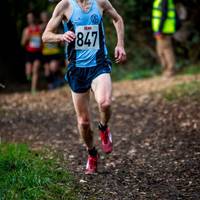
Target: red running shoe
column 106, row 140
column 91, row 166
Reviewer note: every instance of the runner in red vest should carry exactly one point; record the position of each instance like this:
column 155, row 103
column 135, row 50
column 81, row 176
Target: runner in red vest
column 31, row 40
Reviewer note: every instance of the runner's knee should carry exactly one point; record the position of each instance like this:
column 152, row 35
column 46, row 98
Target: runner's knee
column 83, row 121
column 35, row 70
column 105, row 104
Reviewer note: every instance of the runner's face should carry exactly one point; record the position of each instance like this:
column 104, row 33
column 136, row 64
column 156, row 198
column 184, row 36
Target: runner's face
column 44, row 17
column 30, row 18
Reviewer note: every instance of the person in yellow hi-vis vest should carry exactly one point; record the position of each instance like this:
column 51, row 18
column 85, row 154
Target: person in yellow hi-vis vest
column 164, row 25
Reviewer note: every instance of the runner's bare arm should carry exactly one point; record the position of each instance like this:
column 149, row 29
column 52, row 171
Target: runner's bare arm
column 107, row 8
column 25, row 37
column 50, row 34
column 117, row 21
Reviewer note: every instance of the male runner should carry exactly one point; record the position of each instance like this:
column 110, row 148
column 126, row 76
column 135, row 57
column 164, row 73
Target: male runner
column 89, row 66
column 31, row 40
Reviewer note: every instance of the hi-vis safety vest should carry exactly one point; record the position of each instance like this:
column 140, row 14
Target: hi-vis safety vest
column 169, row 25
column 50, row 49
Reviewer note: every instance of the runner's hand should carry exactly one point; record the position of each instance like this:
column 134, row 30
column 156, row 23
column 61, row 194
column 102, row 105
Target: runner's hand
column 120, row 54
column 69, row 36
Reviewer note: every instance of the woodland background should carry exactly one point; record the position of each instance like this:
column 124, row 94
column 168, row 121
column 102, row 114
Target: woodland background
column 139, row 38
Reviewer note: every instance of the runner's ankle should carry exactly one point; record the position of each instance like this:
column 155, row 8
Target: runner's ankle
column 92, row 152
column 102, row 127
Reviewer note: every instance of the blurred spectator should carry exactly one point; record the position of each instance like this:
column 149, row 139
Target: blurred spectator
column 31, row 40
column 165, row 24
column 52, row 55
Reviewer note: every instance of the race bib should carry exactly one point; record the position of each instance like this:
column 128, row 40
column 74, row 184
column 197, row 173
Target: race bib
column 35, row 42
column 87, row 37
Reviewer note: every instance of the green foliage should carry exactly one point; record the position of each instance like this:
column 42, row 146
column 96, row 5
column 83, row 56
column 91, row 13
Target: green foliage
column 31, row 176
column 136, row 16
column 139, row 41
column 191, row 90
column 140, row 44
column 191, row 70
column 129, row 73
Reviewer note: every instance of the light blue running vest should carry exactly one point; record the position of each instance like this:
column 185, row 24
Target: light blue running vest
column 89, row 48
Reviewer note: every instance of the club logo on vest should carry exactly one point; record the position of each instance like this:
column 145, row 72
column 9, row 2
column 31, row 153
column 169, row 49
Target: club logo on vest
column 77, row 19
column 94, row 18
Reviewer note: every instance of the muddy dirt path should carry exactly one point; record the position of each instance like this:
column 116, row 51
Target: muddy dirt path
column 156, row 143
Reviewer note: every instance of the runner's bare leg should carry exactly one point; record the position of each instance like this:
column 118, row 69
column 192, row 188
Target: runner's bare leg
column 36, row 65
column 102, row 88
column 28, row 69
column 81, row 105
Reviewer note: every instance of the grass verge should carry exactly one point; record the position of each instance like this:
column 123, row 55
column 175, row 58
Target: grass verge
column 121, row 73
column 128, row 72
column 28, row 175
column 191, row 90
column 191, row 70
